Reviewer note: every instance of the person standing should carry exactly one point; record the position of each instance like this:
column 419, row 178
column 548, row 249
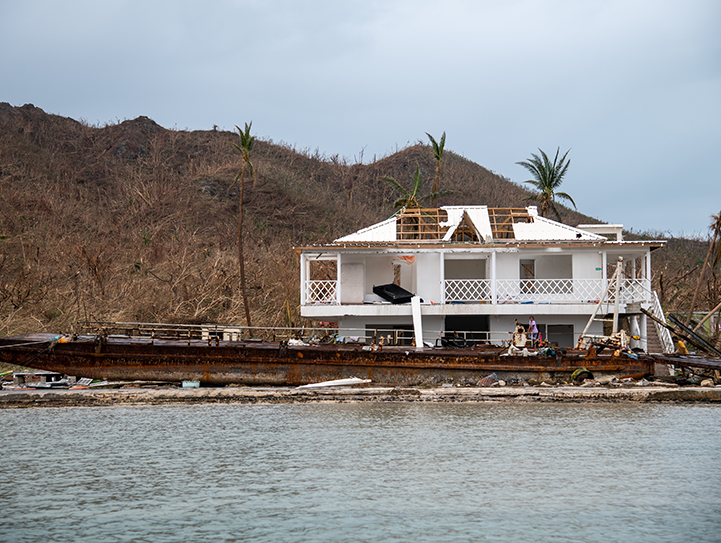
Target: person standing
column 532, row 330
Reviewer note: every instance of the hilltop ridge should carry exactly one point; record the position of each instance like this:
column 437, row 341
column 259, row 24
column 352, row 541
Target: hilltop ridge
column 136, row 222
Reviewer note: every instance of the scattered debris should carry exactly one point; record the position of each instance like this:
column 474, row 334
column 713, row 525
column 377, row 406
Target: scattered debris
column 337, row 383
column 488, row 381
column 581, row 375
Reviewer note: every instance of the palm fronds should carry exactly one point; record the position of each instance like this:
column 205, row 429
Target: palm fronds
column 547, row 178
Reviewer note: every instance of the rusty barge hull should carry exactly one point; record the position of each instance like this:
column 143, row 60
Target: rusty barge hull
column 271, row 363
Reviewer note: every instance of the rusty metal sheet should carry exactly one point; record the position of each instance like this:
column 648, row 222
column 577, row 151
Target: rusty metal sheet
column 268, row 363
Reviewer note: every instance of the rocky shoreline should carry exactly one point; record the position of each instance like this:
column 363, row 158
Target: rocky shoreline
column 12, row 399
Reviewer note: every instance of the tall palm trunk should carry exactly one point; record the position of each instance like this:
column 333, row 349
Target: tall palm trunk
column 246, row 146
column 241, row 260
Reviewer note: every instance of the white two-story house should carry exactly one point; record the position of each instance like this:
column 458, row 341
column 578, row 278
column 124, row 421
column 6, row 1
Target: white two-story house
column 476, row 271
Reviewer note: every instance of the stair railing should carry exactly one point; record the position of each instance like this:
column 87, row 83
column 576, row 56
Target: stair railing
column 664, row 335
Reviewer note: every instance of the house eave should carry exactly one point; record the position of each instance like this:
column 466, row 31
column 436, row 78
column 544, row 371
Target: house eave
column 430, row 245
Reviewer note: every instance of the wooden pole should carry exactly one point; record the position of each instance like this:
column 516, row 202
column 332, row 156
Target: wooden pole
column 707, row 317
column 618, row 294
column 598, row 305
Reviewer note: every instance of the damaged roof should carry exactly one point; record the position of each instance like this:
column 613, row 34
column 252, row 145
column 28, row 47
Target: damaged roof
column 469, row 224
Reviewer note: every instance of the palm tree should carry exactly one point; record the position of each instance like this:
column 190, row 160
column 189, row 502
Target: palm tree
column 712, row 248
column 438, row 155
column 246, row 146
column 413, row 198
column 547, row 178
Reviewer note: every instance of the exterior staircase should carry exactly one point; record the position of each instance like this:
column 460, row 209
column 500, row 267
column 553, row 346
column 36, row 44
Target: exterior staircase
column 653, row 343
column 659, row 339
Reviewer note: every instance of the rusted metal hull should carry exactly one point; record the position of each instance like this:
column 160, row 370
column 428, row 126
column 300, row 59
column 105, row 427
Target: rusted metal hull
column 269, row 363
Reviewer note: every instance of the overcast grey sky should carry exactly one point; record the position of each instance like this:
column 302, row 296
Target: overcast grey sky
column 632, row 87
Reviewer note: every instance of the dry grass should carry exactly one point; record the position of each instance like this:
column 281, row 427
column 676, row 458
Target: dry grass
column 134, row 222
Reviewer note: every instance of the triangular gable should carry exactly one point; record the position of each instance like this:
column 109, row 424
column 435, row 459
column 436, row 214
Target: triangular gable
column 464, row 231
column 478, row 216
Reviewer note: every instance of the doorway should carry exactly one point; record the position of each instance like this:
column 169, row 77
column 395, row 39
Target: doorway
column 466, row 330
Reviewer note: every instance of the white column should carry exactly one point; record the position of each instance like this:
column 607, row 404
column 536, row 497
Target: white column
column 644, row 331
column 417, row 321
column 303, row 275
column 443, row 277
column 494, row 290
column 337, row 279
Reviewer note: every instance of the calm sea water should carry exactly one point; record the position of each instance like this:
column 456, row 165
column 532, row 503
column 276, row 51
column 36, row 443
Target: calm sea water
column 362, row 472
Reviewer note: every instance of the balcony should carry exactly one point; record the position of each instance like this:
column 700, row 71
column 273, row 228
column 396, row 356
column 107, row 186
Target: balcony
column 510, row 291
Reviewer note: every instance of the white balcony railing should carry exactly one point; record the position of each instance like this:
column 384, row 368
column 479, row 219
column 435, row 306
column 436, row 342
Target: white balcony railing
column 552, row 291
column 512, row 291
column 321, row 292
column 469, row 290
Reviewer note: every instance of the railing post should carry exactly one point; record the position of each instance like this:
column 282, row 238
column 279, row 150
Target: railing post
column 443, row 277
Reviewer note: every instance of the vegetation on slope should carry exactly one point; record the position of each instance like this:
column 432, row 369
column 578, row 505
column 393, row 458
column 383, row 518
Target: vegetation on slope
column 134, row 222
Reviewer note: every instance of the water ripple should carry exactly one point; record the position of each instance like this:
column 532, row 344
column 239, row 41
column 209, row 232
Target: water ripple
column 363, row 472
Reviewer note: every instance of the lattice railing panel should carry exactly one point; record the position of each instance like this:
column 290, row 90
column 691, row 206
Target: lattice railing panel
column 549, row 290
column 321, row 292
column 569, row 291
column 468, row 290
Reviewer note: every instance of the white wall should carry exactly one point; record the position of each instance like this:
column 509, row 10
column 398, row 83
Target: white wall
column 585, row 264
column 428, row 277
column 407, row 273
column 379, row 271
column 553, row 266
column 507, row 266
column 578, row 265
column 352, row 282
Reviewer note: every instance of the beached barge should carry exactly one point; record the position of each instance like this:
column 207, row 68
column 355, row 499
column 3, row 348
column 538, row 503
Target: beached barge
column 215, row 361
